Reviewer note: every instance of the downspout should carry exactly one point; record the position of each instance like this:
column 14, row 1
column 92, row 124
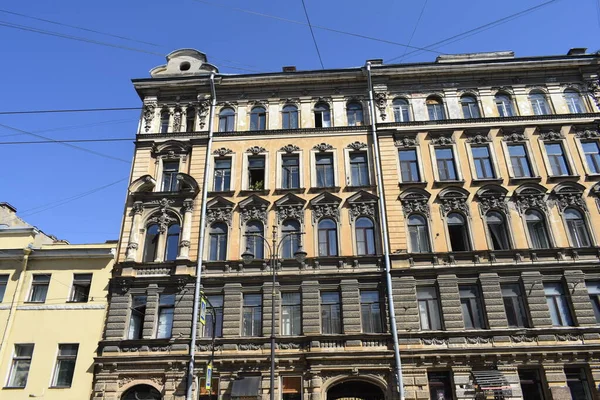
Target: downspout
column 386, row 244
column 190, row 373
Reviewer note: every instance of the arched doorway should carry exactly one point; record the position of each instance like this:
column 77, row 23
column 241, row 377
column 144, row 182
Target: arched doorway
column 355, row 390
column 142, row 392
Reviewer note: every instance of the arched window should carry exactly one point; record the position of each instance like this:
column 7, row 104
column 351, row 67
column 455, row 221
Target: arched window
column 172, row 243
column 574, row 101
column 151, row 243
column 354, row 112
column 498, row 230
column 291, row 237
column 258, row 119
column 142, row 392
column 164, row 121
column 470, row 107
column 577, row 228
column 401, row 111
column 226, row 120
column 419, row 234
column 536, row 226
column 218, row 242
column 190, row 119
column 289, row 116
column 365, row 236
column 322, row 116
column 539, row 104
column 435, row 108
column 457, row 229
column 504, row 105
column 254, row 242
column 327, row 238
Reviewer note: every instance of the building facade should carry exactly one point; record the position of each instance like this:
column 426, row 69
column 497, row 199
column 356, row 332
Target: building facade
column 489, row 170
column 53, row 298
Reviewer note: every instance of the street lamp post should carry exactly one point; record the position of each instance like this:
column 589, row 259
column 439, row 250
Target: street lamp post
column 248, row 257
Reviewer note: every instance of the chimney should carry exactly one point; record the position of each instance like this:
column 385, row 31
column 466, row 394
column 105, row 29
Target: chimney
column 577, row 51
column 290, row 68
column 376, row 61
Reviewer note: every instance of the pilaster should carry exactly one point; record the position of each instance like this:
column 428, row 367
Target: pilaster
column 536, row 299
column 557, row 382
column 350, row 299
column 232, row 305
column 267, row 291
column 404, row 290
column 492, row 296
column 184, row 303
column 584, row 313
column 463, row 383
column 116, row 319
column 450, row 302
column 311, row 323
column 452, row 104
column 151, row 311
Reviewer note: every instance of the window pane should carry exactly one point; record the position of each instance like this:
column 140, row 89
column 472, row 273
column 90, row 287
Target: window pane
column 20, row 365
column 556, row 157
column 172, row 243
column 514, row 305
column 558, row 304
column 445, row 164
column 409, row 165
column 137, row 315
column 3, row 284
column 519, row 161
column 483, row 162
column 216, row 301
column 166, row 310
column 151, row 243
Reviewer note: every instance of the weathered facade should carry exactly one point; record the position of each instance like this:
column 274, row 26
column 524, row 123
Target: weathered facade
column 489, row 170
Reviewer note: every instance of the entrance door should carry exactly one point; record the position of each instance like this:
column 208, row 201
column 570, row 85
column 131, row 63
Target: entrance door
column 355, row 390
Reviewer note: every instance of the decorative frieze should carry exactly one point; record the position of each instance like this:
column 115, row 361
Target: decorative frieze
column 453, row 201
column 222, row 152
column 478, row 138
column 255, row 150
column 321, row 147
column 593, row 86
column 492, row 200
column 569, row 197
column 203, row 109
column 442, row 140
column 434, row 341
column 530, row 198
column 357, row 146
column 362, row 210
column 290, row 148
column 406, row 141
column 163, row 219
column 290, row 212
column 219, row 215
column 514, row 137
column 550, row 136
column 253, row 208
column 176, row 119
column 587, row 134
column 415, row 202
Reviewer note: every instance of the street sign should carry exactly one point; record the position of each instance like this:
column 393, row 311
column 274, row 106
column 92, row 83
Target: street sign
column 208, row 377
column 203, row 311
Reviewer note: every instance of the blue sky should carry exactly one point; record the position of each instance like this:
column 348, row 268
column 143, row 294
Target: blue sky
column 44, row 72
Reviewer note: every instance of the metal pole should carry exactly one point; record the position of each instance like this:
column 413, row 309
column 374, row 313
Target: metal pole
column 273, row 265
column 386, row 244
column 190, row 372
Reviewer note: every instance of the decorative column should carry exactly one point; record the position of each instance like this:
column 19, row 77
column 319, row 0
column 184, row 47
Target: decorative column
column 557, row 382
column 452, row 104
column 134, row 234
column 186, row 229
column 315, row 386
column 350, row 299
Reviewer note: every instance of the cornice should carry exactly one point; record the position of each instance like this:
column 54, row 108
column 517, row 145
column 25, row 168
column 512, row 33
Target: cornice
column 97, row 253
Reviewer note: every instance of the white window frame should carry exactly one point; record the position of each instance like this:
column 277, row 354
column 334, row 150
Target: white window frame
column 579, row 144
column 493, row 158
column 337, row 233
column 211, row 171
column 429, row 236
column 207, row 242
column 468, row 227
column 278, row 174
column 348, row 168
column 411, row 115
column 376, row 228
column 547, row 220
column 313, row 168
column 586, row 219
column 12, row 362
column 417, row 150
column 298, row 113
column 253, row 106
column 511, row 173
column 218, row 118
column 436, row 174
column 54, row 376
column 160, row 168
column 30, row 291
column 245, row 182
column 566, row 152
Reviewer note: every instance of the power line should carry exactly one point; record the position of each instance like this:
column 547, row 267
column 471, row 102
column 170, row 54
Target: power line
column 66, row 144
column 69, row 110
column 69, row 141
column 291, row 21
column 313, row 34
column 479, row 29
column 412, row 35
column 78, row 27
column 117, row 121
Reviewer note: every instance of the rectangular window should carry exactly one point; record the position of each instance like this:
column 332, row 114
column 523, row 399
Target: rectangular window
column 578, row 384
column 65, row 365
column 214, row 389
column 324, row 168
column 290, row 171
column 445, row 164
column 80, row 291
column 514, row 305
column 531, row 384
column 429, row 308
column 359, row 168
column 216, row 301
column 370, row 311
column 558, row 304
column 39, row 288
column 166, row 308
column 519, row 161
column 483, row 162
column 21, row 362
column 222, row 182
column 440, row 385
column 592, row 156
column 557, row 159
column 169, row 177
column 256, row 173
column 594, row 293
column 291, row 314
column 252, row 315
column 136, row 317
column 292, row 388
column 331, row 319
column 3, row 284
column 409, row 165
column 472, row 307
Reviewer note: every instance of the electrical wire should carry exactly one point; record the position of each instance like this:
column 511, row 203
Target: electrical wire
column 67, row 144
column 78, row 27
column 66, row 128
column 412, row 35
column 69, row 110
column 312, row 34
column 69, row 141
column 291, row 21
column 476, row 30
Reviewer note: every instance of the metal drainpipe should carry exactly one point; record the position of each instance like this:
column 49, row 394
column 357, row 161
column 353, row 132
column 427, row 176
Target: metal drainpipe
column 386, row 244
column 190, row 373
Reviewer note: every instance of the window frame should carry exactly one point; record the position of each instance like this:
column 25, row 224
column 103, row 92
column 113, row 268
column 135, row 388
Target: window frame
column 72, row 298
column 579, row 142
column 283, row 112
column 232, row 170
column 246, row 170
column 159, row 309
column 594, row 295
column 256, row 330
column 4, row 279
column 206, row 333
column 478, row 300
column 355, row 236
column 470, row 145
column 546, row 220
column 507, row 229
column 427, row 233
column 506, row 143
column 348, row 164
column 374, row 324
column 356, row 111
column 279, row 175
column 264, row 114
column 408, row 109
column 313, row 168
column 162, row 128
column 14, row 360
column 547, row 102
column 174, row 184
column 233, row 116
column 571, row 170
column 511, row 101
column 335, row 229
column 133, row 308
column 517, row 302
column 296, row 307
column 564, row 320
column 33, row 284
column 567, row 98
column 340, row 319
column 209, row 241
column 428, row 302
column 442, row 104
column 189, row 128
column 467, row 231
column 474, row 102
column 456, row 159
column 58, row 361
column 585, row 223
column 401, row 146
column 315, row 111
